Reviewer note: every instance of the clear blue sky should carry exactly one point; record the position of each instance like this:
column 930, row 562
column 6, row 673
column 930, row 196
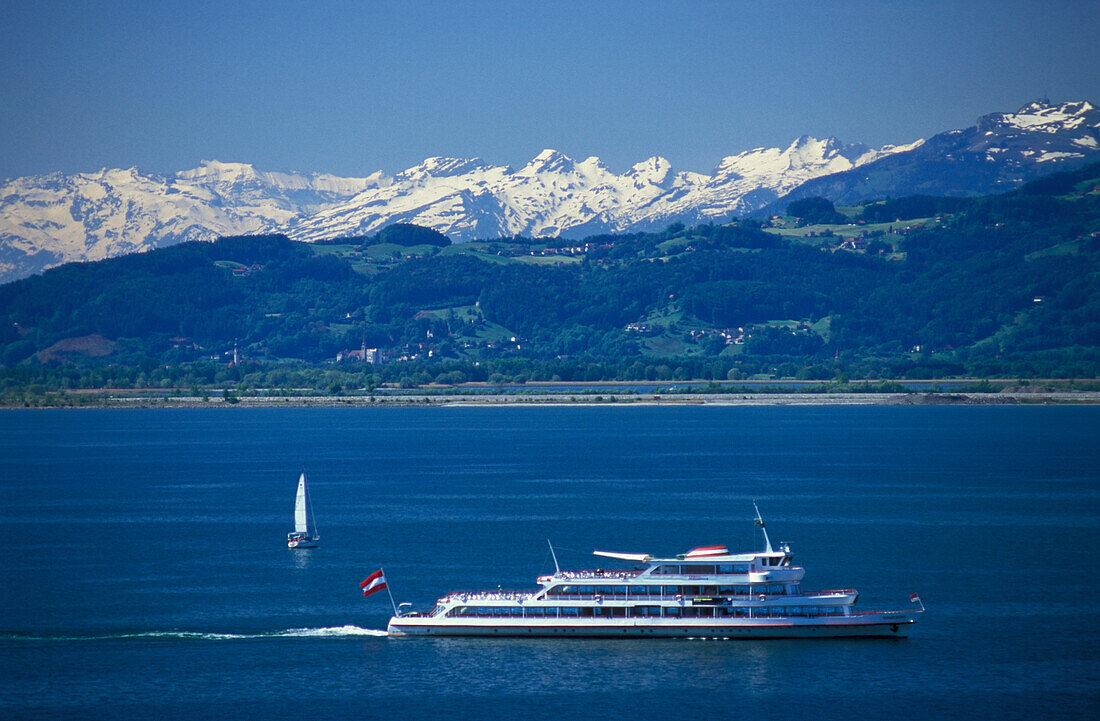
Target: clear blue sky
column 353, row 87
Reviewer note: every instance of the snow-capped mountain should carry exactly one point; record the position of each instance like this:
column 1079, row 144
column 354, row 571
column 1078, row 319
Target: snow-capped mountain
column 47, row 220
column 1001, row 152
column 553, row 195
column 51, row 219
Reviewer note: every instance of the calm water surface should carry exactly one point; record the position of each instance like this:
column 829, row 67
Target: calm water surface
column 146, row 574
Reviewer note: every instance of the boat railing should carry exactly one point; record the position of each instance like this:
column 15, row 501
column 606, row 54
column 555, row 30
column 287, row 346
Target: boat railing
column 679, row 596
column 606, row 597
column 523, row 596
column 634, row 573
column 598, row 573
column 489, row 596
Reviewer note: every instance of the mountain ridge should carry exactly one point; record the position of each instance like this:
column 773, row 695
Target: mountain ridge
column 50, row 219
column 1000, row 152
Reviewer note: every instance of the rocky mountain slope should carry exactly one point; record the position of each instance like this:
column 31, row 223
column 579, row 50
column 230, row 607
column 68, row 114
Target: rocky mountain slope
column 1000, row 153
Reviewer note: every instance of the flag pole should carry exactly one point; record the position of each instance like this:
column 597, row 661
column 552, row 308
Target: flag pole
column 388, row 591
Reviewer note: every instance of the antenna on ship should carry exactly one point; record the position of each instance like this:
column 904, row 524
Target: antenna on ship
column 760, row 522
column 553, row 555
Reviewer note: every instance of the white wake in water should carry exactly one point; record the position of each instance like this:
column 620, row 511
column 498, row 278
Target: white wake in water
column 332, row 632
column 329, row 632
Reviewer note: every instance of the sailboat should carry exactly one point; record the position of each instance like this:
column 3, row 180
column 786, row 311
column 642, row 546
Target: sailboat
column 305, row 525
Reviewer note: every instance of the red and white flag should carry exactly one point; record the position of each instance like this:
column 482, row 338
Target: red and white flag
column 914, row 598
column 372, row 583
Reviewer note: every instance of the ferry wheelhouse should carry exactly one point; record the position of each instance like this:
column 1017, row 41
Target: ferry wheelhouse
column 705, row 593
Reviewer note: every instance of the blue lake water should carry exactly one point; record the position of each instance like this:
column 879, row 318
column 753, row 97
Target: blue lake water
column 145, row 572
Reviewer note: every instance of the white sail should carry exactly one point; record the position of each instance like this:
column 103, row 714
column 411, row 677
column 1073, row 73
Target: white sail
column 301, row 507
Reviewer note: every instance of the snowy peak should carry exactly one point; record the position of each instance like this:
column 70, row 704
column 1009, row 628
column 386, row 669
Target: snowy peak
column 809, row 152
column 441, row 167
column 548, row 161
column 767, row 173
column 871, row 155
column 591, row 165
column 230, row 178
column 1039, row 132
column 652, row 171
column 810, row 148
column 1042, row 116
column 215, row 171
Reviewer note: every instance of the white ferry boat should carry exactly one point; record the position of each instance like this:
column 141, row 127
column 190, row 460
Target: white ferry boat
column 705, row 593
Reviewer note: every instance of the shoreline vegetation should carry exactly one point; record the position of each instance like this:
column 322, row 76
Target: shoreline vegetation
column 623, row 393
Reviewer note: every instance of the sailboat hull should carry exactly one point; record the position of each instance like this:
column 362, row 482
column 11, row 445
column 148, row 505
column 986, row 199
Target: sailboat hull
column 306, row 542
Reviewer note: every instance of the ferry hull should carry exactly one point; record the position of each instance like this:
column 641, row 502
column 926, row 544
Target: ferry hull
column 876, row 628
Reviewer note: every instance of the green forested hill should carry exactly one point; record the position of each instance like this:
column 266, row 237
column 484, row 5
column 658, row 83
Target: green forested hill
column 1006, row 285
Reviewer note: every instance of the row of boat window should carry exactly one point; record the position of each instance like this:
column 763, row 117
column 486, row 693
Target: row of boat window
column 640, row 612
column 671, row 591
column 701, row 568
column 695, row 569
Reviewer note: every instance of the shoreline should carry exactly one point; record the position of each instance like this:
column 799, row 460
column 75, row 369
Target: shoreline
column 429, row 400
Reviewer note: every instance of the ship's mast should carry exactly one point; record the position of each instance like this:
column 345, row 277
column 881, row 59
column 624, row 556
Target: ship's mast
column 557, row 571
column 760, row 522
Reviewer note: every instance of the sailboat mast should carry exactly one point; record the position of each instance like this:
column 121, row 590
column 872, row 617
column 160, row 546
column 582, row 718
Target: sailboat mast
column 312, row 518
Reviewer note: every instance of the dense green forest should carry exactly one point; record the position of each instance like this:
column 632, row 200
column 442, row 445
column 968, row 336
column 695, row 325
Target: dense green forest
column 1004, row 286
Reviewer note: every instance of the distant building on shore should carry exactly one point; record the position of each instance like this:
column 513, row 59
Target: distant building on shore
column 364, row 354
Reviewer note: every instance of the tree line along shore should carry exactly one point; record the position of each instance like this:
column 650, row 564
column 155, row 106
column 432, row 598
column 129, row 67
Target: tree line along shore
column 690, row 393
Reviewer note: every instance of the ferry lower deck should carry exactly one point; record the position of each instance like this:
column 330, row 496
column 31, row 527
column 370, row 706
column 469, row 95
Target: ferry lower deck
column 870, row 625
